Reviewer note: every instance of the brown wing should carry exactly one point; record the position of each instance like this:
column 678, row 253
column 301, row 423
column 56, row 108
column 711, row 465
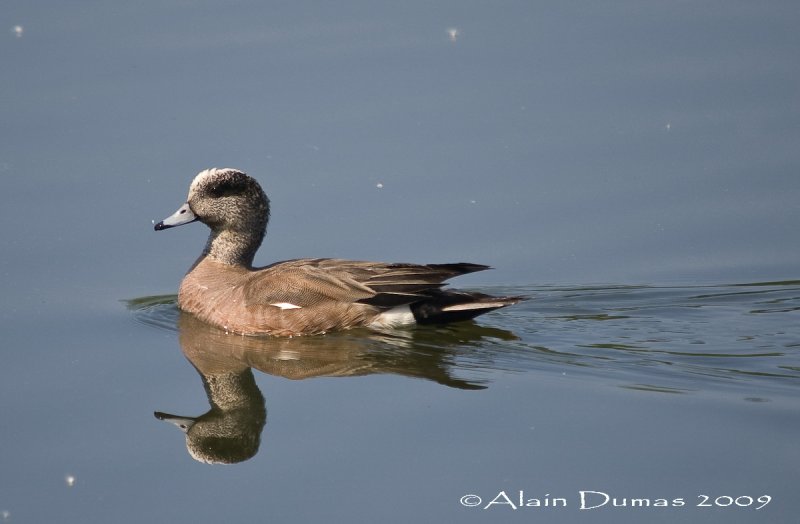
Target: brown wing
column 307, row 282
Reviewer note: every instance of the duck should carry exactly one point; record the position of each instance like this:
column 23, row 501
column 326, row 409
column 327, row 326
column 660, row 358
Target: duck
column 306, row 296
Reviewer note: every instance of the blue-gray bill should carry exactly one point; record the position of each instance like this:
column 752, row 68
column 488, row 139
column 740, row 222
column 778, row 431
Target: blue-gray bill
column 183, row 215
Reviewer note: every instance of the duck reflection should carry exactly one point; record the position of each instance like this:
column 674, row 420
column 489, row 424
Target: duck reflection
column 230, row 431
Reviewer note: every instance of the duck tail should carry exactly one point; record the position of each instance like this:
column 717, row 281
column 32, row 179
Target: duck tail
column 453, row 306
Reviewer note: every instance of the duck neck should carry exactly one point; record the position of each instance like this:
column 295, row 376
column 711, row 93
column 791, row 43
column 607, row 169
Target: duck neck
column 235, row 248
column 234, row 390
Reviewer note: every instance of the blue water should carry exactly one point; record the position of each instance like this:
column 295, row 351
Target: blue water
column 631, row 166
column 637, row 392
column 616, row 392
column 680, row 340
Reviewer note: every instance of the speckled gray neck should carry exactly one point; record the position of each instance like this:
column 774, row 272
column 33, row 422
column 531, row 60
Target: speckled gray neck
column 235, row 248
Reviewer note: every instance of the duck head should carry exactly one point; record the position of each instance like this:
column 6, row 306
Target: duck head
column 233, row 205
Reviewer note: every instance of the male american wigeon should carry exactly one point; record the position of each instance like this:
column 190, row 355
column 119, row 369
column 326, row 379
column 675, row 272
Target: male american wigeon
column 304, row 296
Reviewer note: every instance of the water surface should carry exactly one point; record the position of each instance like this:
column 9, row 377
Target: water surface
column 650, row 147
column 629, row 391
column 671, row 339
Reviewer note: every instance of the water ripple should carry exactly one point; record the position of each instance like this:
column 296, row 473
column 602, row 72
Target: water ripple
column 658, row 339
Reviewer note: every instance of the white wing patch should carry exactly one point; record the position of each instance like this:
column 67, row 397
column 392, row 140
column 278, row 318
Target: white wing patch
column 286, row 305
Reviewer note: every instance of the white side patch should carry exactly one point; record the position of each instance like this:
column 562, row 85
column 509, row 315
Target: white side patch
column 397, row 316
column 286, row 305
column 473, row 305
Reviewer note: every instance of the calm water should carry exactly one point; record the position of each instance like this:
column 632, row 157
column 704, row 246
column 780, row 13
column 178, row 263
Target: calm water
column 628, row 391
column 651, row 146
column 635, row 392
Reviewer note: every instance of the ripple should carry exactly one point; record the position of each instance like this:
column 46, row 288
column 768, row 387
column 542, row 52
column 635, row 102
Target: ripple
column 160, row 311
column 657, row 339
